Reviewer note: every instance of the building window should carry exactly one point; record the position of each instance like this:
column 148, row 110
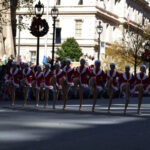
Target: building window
column 80, row 2
column 33, row 57
column 58, row 2
column 78, row 28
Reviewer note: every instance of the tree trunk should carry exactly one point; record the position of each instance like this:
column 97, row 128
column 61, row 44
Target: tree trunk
column 13, row 6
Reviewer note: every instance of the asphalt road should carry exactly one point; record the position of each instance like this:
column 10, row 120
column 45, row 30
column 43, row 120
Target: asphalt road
column 46, row 129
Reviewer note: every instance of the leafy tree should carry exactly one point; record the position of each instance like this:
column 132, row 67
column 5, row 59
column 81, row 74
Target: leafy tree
column 69, row 49
column 119, row 54
column 128, row 51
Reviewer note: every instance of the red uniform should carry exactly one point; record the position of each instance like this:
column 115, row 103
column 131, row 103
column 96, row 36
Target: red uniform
column 13, row 75
column 39, row 79
column 69, row 72
column 82, row 73
column 28, row 75
column 141, row 78
column 114, row 75
column 59, row 74
column 100, row 75
column 126, row 78
column 48, row 74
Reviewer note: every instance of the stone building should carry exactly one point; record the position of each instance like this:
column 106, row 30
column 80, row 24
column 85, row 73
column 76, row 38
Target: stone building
column 79, row 19
column 6, row 37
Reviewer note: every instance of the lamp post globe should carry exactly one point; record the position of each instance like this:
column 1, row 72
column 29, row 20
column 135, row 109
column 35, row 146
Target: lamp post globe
column 99, row 31
column 54, row 14
column 39, row 9
column 99, row 28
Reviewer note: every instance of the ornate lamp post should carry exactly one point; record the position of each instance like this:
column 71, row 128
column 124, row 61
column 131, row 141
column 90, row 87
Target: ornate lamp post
column 39, row 27
column 54, row 14
column 146, row 54
column 19, row 27
column 99, row 31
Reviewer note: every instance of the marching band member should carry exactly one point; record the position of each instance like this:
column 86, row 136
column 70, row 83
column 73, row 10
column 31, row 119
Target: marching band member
column 67, row 82
column 38, row 83
column 141, row 81
column 56, row 80
column 12, row 80
column 48, row 74
column 126, row 84
column 111, row 83
column 28, row 76
column 95, row 82
column 81, row 75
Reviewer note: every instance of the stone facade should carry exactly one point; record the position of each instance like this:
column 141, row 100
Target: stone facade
column 6, row 37
column 80, row 21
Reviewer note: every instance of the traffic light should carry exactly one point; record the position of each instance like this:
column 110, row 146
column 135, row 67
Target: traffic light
column 58, row 35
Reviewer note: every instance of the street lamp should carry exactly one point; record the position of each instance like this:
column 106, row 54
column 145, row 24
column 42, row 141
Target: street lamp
column 99, row 31
column 39, row 27
column 19, row 27
column 39, row 10
column 54, row 14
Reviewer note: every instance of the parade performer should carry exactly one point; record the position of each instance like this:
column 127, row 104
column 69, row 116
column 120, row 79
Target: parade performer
column 38, row 83
column 67, row 81
column 126, row 84
column 12, row 79
column 95, row 82
column 81, row 76
column 28, row 77
column 141, row 81
column 48, row 74
column 111, row 82
column 56, row 80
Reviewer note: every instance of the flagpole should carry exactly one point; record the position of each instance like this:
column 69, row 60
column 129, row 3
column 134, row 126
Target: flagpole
column 47, row 18
column 128, row 42
column 128, row 29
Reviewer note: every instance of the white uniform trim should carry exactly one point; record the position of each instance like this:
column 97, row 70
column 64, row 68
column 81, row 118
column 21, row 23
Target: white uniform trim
column 125, row 77
column 113, row 75
column 37, row 77
column 46, row 73
column 12, row 78
column 67, row 71
column 83, row 71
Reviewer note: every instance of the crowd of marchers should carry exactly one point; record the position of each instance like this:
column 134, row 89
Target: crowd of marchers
column 62, row 78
